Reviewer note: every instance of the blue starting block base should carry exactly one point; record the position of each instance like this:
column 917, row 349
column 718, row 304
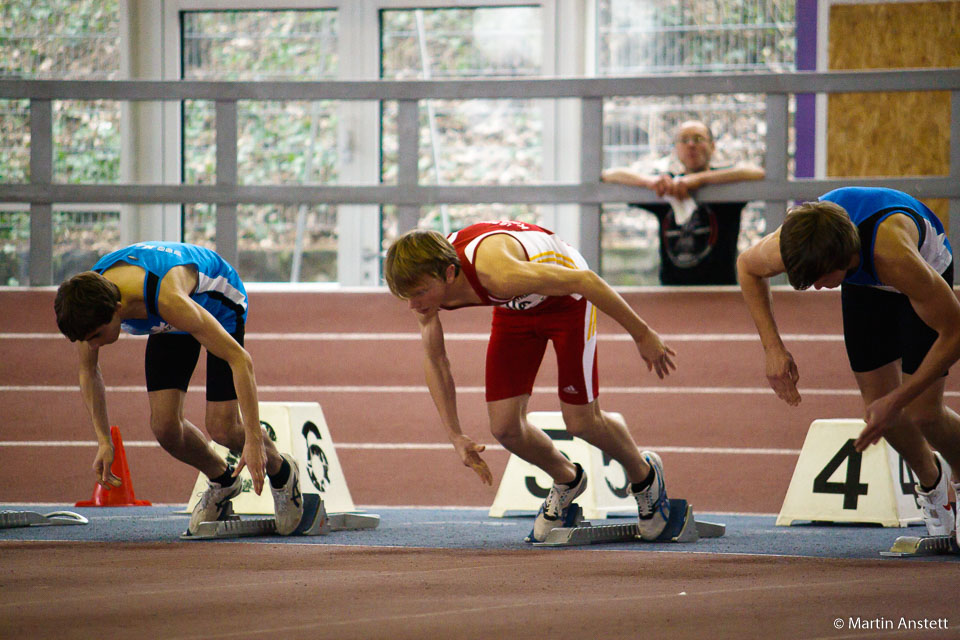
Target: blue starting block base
column 681, row 527
column 915, row 546
column 315, row 522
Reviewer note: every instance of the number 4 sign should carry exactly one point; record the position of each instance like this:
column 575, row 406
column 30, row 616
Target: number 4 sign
column 832, row 482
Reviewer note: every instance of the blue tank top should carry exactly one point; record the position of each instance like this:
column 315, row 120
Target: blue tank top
column 868, row 207
column 219, row 289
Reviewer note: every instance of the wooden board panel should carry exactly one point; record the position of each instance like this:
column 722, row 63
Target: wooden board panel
column 892, row 134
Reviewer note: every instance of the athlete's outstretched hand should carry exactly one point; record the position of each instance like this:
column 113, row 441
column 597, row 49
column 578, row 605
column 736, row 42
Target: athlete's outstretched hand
column 469, row 452
column 254, row 457
column 782, row 374
column 879, row 415
column 101, row 467
column 656, row 354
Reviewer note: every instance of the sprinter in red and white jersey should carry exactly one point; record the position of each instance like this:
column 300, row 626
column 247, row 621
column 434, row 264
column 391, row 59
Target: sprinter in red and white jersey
column 541, row 291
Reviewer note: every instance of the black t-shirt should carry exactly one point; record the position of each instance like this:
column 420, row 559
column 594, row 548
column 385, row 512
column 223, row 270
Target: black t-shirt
column 704, row 249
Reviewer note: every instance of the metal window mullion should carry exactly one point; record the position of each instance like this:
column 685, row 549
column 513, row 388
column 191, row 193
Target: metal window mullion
column 591, row 164
column 408, row 160
column 41, row 173
column 226, row 233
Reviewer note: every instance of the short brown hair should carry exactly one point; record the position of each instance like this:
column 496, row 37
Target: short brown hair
column 83, row 303
column 416, row 254
column 817, row 238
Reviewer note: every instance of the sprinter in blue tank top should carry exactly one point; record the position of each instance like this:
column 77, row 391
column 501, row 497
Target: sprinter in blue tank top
column 901, row 322
column 182, row 296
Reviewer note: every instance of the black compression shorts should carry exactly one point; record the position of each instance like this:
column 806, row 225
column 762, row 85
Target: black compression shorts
column 171, row 358
column 881, row 326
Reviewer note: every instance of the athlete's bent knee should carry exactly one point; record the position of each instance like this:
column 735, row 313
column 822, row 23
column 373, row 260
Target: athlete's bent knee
column 226, row 431
column 168, row 430
column 928, row 418
column 507, row 432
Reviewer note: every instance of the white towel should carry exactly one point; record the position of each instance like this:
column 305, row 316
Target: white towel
column 682, row 209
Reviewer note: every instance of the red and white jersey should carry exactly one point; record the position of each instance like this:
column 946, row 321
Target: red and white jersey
column 539, row 245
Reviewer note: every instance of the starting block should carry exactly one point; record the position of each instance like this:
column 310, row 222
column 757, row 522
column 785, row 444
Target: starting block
column 315, row 522
column 917, row 546
column 13, row 519
column 681, row 527
column 572, row 519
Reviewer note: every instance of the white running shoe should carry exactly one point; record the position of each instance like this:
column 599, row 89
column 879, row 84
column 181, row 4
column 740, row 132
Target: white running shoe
column 956, row 526
column 560, row 497
column 935, row 504
column 213, row 501
column 652, row 503
column 287, row 501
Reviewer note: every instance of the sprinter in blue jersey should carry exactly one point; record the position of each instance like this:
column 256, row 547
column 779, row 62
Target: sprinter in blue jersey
column 182, row 296
column 901, row 321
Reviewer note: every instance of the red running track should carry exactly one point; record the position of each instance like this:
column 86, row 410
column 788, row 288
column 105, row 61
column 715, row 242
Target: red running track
column 317, row 346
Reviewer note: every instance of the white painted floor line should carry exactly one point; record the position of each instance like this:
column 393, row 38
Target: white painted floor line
column 472, row 337
column 414, row 446
column 264, row 388
column 53, row 388
column 497, row 447
column 74, row 443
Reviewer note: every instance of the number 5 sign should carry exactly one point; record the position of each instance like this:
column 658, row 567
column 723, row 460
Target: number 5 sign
column 832, row 482
column 524, row 486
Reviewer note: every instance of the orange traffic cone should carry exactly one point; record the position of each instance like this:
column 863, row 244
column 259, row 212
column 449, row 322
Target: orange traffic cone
column 121, row 496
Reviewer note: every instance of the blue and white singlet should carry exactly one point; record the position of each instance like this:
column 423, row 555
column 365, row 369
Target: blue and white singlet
column 219, row 289
column 868, row 207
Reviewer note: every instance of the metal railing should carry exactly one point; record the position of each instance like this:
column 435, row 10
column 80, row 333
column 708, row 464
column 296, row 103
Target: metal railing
column 408, row 194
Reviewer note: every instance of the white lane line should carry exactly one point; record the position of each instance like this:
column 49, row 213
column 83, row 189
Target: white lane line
column 660, row 449
column 67, row 388
column 470, row 337
column 456, row 614
column 73, row 443
column 417, row 446
column 53, row 388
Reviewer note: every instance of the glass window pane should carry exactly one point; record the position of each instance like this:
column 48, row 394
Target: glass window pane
column 86, row 141
column 80, row 238
column 466, row 142
column 60, row 40
column 199, row 142
column 287, row 142
column 688, row 36
column 259, row 45
column 472, row 142
column 15, row 248
column 461, row 43
column 629, row 246
column 684, row 36
column 458, row 216
column 277, row 243
column 278, row 142
column 14, row 140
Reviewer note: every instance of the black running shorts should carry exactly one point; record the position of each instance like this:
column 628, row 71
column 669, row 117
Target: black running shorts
column 880, row 327
column 171, row 358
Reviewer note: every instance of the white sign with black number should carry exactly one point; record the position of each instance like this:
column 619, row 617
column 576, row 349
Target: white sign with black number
column 524, row 487
column 833, row 482
column 297, row 428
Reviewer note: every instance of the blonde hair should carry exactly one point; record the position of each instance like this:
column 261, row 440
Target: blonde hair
column 416, row 254
column 817, row 238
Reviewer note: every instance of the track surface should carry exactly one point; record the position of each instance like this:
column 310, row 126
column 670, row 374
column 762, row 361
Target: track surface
column 728, row 446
